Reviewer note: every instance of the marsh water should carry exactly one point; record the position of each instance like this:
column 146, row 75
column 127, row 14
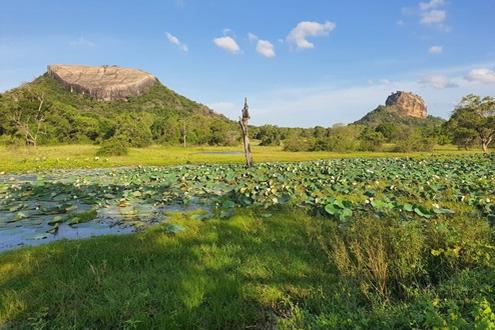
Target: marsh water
column 41, row 208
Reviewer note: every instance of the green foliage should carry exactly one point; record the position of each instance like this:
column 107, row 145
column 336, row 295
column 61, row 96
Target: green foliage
column 113, row 147
column 383, row 116
column 371, row 140
column 473, row 120
column 155, row 117
column 269, row 135
column 414, row 140
column 295, row 143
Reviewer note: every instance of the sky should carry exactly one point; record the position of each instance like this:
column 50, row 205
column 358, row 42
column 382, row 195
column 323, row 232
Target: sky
column 300, row 63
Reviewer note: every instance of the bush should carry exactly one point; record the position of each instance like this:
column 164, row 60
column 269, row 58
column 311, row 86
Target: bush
column 387, row 258
column 112, row 147
column 413, row 140
column 296, row 143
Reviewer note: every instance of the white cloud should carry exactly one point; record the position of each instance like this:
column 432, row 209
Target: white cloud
column 435, row 50
column 82, row 42
column 431, row 5
column 265, row 48
column 437, row 81
column 431, row 13
column 298, row 36
column 481, row 75
column 175, row 41
column 252, row 37
column 433, row 17
column 228, row 44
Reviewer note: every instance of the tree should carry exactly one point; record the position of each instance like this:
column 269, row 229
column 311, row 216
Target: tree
column 269, row 135
column 243, row 122
column 371, row 140
column 474, row 118
column 28, row 113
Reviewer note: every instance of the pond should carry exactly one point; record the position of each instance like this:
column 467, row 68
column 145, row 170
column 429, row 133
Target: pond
column 40, row 208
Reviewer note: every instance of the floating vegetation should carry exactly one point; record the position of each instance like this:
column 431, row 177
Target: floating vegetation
column 48, row 205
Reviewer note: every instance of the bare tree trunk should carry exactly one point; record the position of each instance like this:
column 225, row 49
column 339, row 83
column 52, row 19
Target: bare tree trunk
column 484, row 146
column 245, row 140
column 184, row 134
column 243, row 122
column 485, row 142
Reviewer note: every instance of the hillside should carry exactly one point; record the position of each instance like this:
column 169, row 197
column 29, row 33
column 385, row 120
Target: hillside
column 70, row 115
column 401, row 108
column 389, row 114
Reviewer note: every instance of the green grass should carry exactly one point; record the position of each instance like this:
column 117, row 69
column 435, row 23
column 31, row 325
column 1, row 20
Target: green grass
column 84, row 156
column 218, row 274
column 250, row 271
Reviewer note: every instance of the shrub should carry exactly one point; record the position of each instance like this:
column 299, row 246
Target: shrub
column 112, row 147
column 387, row 258
column 295, row 143
column 413, row 140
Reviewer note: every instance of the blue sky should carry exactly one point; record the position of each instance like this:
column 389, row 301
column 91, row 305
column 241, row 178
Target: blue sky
column 300, row 63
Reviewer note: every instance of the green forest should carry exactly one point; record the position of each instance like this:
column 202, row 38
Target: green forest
column 44, row 113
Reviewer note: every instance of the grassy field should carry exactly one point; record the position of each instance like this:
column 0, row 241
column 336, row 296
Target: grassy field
column 246, row 272
column 369, row 244
column 83, row 156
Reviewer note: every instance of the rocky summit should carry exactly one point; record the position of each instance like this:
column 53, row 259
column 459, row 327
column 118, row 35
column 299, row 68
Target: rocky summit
column 106, row 83
column 408, row 104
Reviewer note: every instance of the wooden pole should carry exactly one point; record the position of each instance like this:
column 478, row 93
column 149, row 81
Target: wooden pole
column 243, row 122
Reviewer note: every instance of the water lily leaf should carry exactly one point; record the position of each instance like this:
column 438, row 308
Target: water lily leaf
column 56, row 220
column 330, row 209
column 422, row 212
column 20, row 216
column 16, row 208
column 443, row 211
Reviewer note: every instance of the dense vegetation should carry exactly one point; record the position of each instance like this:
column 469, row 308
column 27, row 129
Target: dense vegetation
column 160, row 116
column 42, row 112
column 471, row 124
column 377, row 243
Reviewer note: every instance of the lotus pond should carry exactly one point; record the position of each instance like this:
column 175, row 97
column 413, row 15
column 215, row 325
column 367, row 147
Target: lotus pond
column 46, row 206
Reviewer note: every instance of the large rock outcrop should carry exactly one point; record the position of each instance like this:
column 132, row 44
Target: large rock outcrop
column 105, row 83
column 408, row 104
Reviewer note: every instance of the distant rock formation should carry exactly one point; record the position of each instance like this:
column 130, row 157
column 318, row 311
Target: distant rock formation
column 105, row 83
column 408, row 104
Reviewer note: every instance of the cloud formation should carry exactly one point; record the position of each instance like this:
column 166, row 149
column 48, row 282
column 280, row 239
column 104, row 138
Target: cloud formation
column 265, row 48
column 435, row 50
column 433, row 17
column 431, row 5
column 481, row 75
column 175, row 41
column 298, row 36
column 437, row 81
column 228, row 44
column 432, row 13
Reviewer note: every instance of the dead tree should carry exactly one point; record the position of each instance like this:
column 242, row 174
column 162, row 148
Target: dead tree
column 243, row 122
column 30, row 124
column 184, row 134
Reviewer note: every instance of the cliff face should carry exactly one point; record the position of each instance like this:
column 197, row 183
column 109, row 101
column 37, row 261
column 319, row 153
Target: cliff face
column 408, row 104
column 105, row 83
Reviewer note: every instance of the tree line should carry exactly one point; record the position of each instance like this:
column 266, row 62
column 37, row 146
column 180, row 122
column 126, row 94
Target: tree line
column 44, row 114
column 471, row 124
